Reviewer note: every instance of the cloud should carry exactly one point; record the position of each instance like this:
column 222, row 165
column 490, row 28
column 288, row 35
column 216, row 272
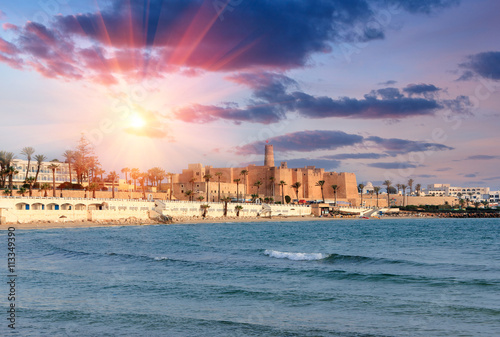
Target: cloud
column 308, row 141
column 427, row 90
column 482, row 157
column 276, row 95
column 393, row 165
column 486, row 65
column 320, row 163
column 303, row 141
column 444, row 169
column 390, row 82
column 493, row 178
column 426, row 176
column 343, row 156
column 3, row 16
column 471, row 175
column 395, row 146
column 139, row 38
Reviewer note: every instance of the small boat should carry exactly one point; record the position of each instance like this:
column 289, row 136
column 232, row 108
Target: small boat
column 365, row 217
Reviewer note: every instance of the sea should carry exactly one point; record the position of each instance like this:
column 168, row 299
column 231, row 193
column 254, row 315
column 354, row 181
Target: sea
column 393, row 277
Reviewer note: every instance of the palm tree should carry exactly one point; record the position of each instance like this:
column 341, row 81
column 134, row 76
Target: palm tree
column 398, row 186
column 244, row 173
column 200, row 198
column 272, row 180
column 70, row 156
column 476, row 204
column 418, row 187
column 225, row 200
column 321, row 183
column 30, row 181
column 45, row 187
column 113, row 176
column 204, row 208
column 258, row 184
column 237, row 181
column 461, row 202
column 100, row 172
column 238, row 209
column 360, row 187
column 403, row 187
column 53, row 167
column 27, row 152
column 388, row 185
column 376, row 189
column 207, row 178
column 410, row 185
column 296, row 186
column 22, row 191
column 170, row 175
column 335, row 187
column 142, row 181
column 192, row 181
column 134, row 175
column 125, row 170
column 282, row 183
column 93, row 187
column 40, row 158
column 486, row 203
column 189, row 194
column 218, row 175
column 11, row 171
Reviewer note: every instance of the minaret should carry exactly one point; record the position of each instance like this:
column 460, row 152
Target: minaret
column 269, row 156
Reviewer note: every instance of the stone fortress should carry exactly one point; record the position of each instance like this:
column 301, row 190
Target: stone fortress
column 192, row 179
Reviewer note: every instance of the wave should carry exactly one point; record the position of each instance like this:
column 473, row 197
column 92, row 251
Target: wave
column 295, row 256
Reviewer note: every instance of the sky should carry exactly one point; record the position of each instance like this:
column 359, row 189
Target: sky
column 387, row 89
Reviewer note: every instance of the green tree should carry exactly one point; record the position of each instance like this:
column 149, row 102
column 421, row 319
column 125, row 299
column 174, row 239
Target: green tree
column 237, row 181
column 218, row 175
column 410, row 185
column 207, row 178
column 189, row 194
column 113, row 177
column 288, row 199
column 28, row 153
column 388, row 185
column 244, row 173
column 93, row 187
column 22, row 191
column 225, row 200
column 45, row 187
column 69, row 155
column 200, row 198
column 53, row 168
column 296, row 187
column 418, row 188
column 335, row 188
column 321, row 183
column 376, row 189
column 403, row 187
column 204, row 208
column 30, row 181
column 40, row 158
column 258, row 184
column 238, row 208
column 361, row 187
column 282, row 183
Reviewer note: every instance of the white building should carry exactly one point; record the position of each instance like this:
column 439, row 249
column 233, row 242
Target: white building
column 45, row 174
column 368, row 188
column 471, row 193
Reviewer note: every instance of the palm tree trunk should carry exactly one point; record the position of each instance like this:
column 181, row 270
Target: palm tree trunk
column 113, row 189
column 54, row 184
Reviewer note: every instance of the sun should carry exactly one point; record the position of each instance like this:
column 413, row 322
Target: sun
column 136, row 121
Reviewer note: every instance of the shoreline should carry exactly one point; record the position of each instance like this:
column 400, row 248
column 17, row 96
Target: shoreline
column 193, row 221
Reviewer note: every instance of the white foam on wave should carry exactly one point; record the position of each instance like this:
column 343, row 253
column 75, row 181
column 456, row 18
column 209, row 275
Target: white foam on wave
column 295, row 256
column 161, row 258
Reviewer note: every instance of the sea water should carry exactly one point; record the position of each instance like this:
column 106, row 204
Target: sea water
column 418, row 277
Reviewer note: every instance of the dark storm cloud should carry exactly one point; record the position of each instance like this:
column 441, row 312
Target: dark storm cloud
column 485, row 64
column 421, row 89
column 482, row 157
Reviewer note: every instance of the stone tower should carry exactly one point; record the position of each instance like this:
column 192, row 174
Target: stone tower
column 269, row 156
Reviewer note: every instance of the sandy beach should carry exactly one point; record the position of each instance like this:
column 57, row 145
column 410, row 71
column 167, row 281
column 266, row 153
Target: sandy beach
column 186, row 220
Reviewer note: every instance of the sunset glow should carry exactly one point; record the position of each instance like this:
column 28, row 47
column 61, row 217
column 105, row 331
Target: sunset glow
column 358, row 88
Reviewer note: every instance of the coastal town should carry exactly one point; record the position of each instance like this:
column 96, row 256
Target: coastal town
column 79, row 189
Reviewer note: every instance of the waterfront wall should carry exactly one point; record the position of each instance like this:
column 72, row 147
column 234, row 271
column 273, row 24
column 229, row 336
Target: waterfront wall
column 216, row 209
